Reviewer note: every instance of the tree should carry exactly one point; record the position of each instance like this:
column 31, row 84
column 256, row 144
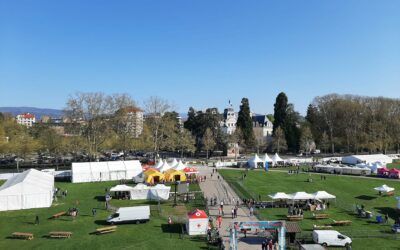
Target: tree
column 185, row 142
column 245, row 123
column 280, row 108
column 324, row 142
column 306, row 141
column 90, row 114
column 279, row 141
column 155, row 108
column 208, row 141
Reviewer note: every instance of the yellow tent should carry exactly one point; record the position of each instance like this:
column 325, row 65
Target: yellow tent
column 175, row 175
column 153, row 177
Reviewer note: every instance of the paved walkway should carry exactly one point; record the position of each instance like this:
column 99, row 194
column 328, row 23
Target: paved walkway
column 214, row 187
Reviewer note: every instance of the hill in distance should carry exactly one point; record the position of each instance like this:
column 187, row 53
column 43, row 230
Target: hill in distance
column 38, row 112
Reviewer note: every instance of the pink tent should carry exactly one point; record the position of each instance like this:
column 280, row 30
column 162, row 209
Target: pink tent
column 383, row 171
column 394, row 173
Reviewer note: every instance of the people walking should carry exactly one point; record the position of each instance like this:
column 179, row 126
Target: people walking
column 251, row 211
column 233, row 212
column 219, row 221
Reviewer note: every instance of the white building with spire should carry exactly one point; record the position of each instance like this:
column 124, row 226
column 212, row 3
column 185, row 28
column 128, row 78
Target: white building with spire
column 228, row 123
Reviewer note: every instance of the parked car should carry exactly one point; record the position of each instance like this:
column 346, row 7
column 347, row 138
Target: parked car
column 330, row 238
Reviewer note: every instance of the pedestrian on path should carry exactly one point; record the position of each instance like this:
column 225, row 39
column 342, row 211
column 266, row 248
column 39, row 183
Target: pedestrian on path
column 233, row 213
column 251, row 211
column 219, row 220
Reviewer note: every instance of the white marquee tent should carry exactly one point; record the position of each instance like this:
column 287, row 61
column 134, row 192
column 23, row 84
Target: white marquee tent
column 301, row 196
column 174, row 163
column 266, row 158
column 140, row 192
column 384, row 189
column 280, row 196
column 255, row 162
column 121, row 188
column 30, row 189
column 277, row 159
column 180, row 166
column 159, row 164
column 356, row 159
column 159, row 191
column 164, row 167
column 105, row 171
column 323, row 195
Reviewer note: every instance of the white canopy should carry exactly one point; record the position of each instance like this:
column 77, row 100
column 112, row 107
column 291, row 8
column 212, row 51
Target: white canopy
column 159, row 164
column 384, row 188
column 322, row 195
column 254, row 161
column 174, row 163
column 301, row 196
column 280, row 196
column 121, row 188
column 180, row 166
column 266, row 158
column 164, row 167
column 105, row 171
column 276, row 158
column 140, row 192
column 30, row 189
column 159, row 191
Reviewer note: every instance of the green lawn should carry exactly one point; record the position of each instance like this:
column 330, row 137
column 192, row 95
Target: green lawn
column 151, row 235
column 349, row 191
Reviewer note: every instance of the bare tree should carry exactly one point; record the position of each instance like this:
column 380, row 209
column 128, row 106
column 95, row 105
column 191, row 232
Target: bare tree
column 279, row 141
column 155, row 108
column 208, row 141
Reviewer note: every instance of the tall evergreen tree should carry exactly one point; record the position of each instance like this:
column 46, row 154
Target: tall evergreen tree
column 280, row 109
column 245, row 123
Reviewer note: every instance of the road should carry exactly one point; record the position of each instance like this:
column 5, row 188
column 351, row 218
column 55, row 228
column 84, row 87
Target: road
column 214, row 187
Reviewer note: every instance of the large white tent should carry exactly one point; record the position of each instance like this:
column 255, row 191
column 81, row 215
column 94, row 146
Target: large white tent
column 301, row 196
column 159, row 164
column 164, row 167
column 266, row 158
column 174, row 163
column 30, row 189
column 277, row 159
column 356, row 159
column 140, row 192
column 180, row 166
column 280, row 196
column 255, row 162
column 323, row 195
column 159, row 192
column 105, row 171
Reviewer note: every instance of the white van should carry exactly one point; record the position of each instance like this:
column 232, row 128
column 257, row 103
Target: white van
column 330, row 238
column 130, row 215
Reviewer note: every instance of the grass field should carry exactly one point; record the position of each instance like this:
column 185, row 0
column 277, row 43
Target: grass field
column 366, row 234
column 151, row 235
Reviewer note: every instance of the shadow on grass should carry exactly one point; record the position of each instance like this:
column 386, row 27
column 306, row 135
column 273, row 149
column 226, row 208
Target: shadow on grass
column 365, row 197
column 100, row 198
column 172, row 229
column 391, row 212
column 101, row 222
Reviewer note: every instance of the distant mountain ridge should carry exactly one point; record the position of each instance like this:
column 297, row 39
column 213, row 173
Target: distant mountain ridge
column 38, row 112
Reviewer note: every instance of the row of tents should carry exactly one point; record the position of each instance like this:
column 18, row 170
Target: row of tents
column 265, row 161
column 144, row 192
column 154, row 176
column 341, row 169
column 320, row 195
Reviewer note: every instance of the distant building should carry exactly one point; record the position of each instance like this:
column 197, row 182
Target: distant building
column 228, row 123
column 262, row 128
column 26, row 119
column 134, row 120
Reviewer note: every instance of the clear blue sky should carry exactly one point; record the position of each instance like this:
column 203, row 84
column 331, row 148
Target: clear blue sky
column 198, row 53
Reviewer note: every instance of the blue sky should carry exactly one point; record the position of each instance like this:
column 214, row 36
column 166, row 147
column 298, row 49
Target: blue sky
column 198, row 53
